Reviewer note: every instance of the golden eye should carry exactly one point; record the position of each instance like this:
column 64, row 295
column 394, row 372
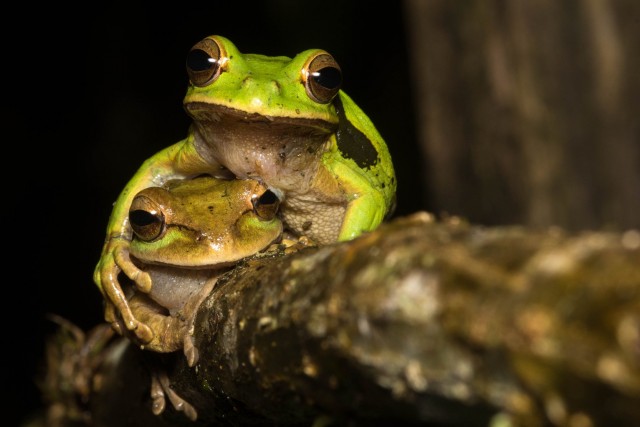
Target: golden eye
column 146, row 219
column 205, row 61
column 266, row 205
column 322, row 78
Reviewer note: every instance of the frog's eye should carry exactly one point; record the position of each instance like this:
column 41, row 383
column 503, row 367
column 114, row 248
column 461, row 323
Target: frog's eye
column 322, row 78
column 205, row 62
column 146, row 219
column 266, row 205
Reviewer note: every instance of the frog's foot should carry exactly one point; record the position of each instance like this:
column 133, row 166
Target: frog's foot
column 161, row 388
column 142, row 332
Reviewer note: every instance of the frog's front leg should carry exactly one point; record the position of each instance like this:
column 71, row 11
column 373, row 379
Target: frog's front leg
column 364, row 213
column 366, row 203
column 180, row 160
column 107, row 275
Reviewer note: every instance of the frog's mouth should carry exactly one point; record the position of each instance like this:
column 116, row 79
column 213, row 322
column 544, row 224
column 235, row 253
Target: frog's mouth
column 220, row 114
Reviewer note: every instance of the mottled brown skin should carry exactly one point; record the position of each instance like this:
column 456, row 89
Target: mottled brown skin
column 186, row 234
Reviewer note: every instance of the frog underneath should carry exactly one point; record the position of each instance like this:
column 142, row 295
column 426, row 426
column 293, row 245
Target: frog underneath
column 282, row 121
column 186, row 234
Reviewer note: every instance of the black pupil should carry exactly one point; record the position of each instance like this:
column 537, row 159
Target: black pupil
column 328, row 77
column 142, row 218
column 268, row 198
column 199, row 60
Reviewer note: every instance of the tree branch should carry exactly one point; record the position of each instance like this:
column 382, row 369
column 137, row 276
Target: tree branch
column 438, row 323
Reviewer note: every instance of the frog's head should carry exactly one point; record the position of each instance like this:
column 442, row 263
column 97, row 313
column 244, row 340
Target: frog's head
column 228, row 85
column 203, row 223
column 191, row 231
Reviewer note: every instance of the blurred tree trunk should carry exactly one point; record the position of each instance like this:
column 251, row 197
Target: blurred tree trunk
column 528, row 110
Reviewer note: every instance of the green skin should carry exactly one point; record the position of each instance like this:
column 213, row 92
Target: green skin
column 326, row 161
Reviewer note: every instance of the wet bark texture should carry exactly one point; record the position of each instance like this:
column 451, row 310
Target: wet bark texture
column 423, row 322
column 528, row 110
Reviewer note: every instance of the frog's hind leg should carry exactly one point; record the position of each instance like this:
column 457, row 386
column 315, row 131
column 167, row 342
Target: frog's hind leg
column 161, row 388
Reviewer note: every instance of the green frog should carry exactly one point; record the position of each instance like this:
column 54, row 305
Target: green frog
column 185, row 235
column 282, row 121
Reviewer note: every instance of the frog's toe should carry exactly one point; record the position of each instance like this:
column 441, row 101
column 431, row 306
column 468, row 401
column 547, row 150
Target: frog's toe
column 176, row 401
column 190, row 351
column 109, row 313
column 111, row 318
column 182, row 405
column 189, row 411
column 142, row 280
column 139, row 277
column 117, row 326
column 158, row 404
column 157, row 396
column 143, row 333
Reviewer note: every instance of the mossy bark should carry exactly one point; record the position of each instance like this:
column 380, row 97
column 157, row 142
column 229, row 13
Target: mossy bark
column 425, row 322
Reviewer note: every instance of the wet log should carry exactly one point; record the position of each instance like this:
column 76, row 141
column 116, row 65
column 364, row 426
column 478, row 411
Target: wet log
column 422, row 321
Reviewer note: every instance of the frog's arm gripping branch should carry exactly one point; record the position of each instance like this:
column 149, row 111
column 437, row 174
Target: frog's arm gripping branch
column 180, row 160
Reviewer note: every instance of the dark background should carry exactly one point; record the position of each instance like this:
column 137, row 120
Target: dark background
column 92, row 92
column 503, row 112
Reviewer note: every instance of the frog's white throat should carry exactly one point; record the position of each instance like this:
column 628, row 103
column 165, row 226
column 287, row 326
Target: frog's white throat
column 283, row 152
column 173, row 287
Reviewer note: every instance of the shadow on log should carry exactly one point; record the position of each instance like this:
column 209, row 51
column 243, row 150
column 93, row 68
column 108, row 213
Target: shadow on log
column 424, row 322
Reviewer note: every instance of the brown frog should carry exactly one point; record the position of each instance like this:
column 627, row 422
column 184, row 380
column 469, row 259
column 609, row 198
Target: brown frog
column 186, row 234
